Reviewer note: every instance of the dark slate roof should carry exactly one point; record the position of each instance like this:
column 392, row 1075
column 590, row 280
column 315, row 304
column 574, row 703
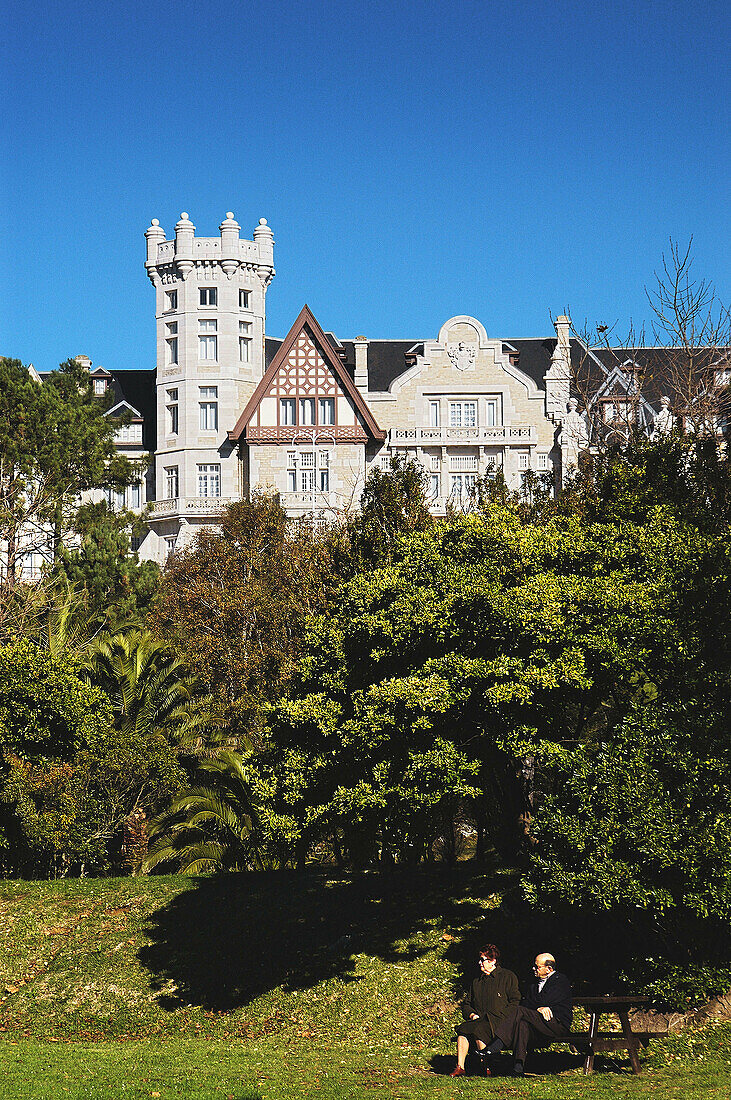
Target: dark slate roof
column 386, row 360
column 137, row 388
column 272, row 347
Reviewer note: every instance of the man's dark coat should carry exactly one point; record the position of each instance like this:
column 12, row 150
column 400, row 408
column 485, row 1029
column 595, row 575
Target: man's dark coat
column 556, row 995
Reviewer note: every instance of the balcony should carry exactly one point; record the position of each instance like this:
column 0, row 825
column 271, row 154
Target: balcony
column 188, row 506
column 424, row 437
column 317, row 501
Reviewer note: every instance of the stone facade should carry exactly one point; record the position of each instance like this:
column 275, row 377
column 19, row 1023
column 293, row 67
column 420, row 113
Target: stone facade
column 309, row 416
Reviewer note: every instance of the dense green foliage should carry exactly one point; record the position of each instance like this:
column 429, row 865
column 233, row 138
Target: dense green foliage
column 117, row 587
column 55, row 442
column 235, row 604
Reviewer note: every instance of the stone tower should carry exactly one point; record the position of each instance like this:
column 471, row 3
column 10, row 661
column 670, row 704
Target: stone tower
column 210, row 312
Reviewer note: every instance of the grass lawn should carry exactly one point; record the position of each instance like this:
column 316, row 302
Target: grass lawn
column 282, row 985
column 697, row 1067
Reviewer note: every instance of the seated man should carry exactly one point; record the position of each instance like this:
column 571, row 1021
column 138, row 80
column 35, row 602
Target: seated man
column 545, row 1013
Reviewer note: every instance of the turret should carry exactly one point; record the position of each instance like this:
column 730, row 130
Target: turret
column 229, row 230
column 184, row 235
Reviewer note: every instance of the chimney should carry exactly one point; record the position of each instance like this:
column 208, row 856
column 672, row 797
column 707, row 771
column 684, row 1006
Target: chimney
column 563, row 334
column 361, row 363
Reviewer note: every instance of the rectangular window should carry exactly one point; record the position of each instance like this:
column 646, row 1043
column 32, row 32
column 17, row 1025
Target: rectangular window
column 327, row 410
column 129, row 433
column 523, row 461
column 244, row 341
column 244, row 299
column 462, row 414
column 307, row 458
column 307, row 480
column 208, row 295
column 135, row 495
column 172, row 328
column 434, row 486
column 307, row 410
column 172, row 411
column 434, row 418
column 435, row 462
column 324, row 475
column 173, row 351
column 209, row 480
column 208, row 405
column 100, row 386
column 287, row 411
column 172, row 297
column 207, row 341
column 491, row 416
column 542, row 461
column 171, row 482
column 170, row 545
column 457, row 485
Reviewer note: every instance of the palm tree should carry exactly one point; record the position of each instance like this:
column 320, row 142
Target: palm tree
column 150, row 687
column 210, row 827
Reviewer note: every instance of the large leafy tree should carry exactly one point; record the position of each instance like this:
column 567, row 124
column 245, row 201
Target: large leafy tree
column 452, row 675
column 55, row 442
column 48, row 715
column 236, row 601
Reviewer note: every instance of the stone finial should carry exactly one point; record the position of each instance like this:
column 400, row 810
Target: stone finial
column 155, row 235
column 263, row 232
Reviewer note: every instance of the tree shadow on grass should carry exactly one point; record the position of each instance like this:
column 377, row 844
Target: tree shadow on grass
column 232, row 937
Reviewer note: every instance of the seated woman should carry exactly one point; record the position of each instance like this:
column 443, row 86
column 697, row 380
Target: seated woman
column 493, row 995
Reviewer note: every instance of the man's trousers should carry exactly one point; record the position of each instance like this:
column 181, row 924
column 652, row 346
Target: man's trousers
column 526, row 1027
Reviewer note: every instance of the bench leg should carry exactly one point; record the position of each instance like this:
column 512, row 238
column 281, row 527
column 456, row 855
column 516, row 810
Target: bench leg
column 631, row 1041
column 593, row 1027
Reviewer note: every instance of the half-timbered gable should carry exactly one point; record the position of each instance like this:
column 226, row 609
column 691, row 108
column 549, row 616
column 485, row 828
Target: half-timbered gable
column 305, row 431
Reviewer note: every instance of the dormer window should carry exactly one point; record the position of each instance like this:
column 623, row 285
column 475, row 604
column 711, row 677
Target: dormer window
column 100, row 386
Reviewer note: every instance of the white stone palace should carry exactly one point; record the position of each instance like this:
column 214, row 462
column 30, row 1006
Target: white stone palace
column 228, row 409
column 309, row 415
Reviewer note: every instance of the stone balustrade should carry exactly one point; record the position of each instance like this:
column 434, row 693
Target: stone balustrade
column 420, row 437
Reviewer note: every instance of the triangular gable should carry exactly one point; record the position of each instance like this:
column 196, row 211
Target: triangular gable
column 124, row 406
column 307, row 348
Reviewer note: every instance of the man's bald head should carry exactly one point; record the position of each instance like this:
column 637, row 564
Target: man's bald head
column 544, row 964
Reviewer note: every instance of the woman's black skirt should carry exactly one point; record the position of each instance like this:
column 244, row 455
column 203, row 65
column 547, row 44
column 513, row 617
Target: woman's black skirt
column 477, row 1029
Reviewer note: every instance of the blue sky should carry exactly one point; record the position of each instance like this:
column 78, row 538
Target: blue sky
column 415, row 160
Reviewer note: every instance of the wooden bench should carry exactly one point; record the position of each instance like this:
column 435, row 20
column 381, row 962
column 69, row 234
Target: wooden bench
column 595, row 1041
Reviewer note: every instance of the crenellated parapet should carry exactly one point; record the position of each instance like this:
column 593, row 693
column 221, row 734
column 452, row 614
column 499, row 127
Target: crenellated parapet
column 169, row 260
